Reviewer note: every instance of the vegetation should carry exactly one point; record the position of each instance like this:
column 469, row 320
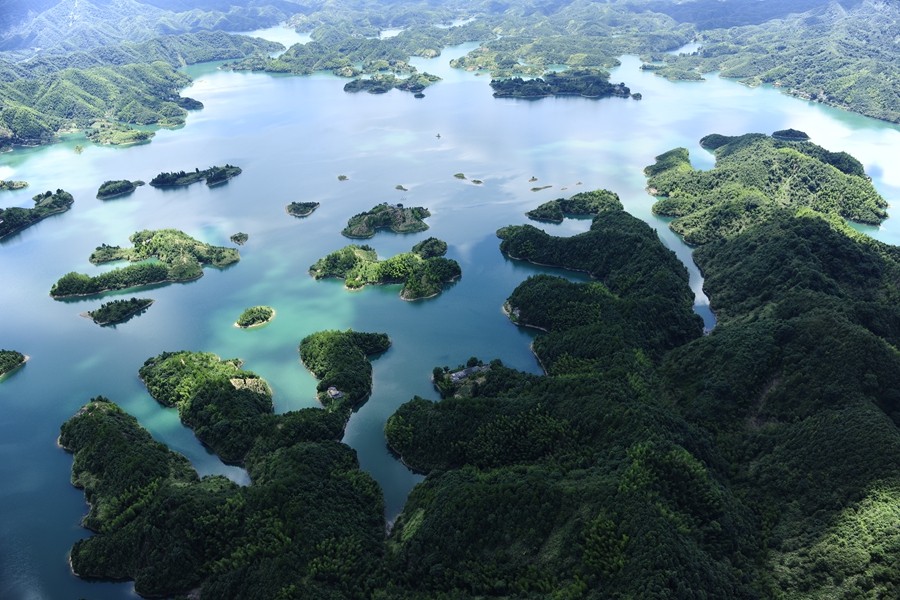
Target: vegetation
column 116, row 134
column 582, row 204
column 301, row 209
column 381, row 83
column 119, row 187
column 15, row 219
column 338, row 359
column 118, row 311
column 239, row 238
column 423, row 271
column 843, row 56
column 310, row 521
column 161, row 255
column 12, row 185
column 213, row 175
column 588, row 83
column 255, row 315
column 9, row 360
column 387, row 216
column 756, row 175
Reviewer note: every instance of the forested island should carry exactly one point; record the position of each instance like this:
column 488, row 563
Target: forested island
column 239, row 238
column 301, row 209
column 213, row 175
column 116, row 134
column 118, row 187
column 164, row 255
column 119, row 311
column 381, row 83
column 423, row 271
column 397, row 218
column 10, row 360
column 255, row 316
column 755, row 176
column 582, row 204
column 15, row 219
column 588, row 83
column 9, row 184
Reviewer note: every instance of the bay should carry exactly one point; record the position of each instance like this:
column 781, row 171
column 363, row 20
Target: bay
column 293, row 137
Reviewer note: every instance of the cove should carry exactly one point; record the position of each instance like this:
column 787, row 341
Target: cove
column 293, row 136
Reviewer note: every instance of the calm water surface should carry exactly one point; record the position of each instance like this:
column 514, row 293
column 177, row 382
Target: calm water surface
column 293, row 136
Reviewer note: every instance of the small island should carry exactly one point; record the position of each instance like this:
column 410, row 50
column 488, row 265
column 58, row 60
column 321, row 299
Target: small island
column 239, row 238
column 119, row 311
column 213, row 176
column 343, row 178
column 339, row 360
column 301, row 209
column 397, row 218
column 12, row 185
column 10, row 360
column 15, row 219
column 790, row 135
column 422, row 271
column 381, row 83
column 109, row 133
column 582, row 204
column 164, row 255
column 588, row 83
column 118, row 187
column 255, row 316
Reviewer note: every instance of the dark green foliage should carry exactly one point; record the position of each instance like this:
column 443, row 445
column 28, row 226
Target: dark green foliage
column 16, row 219
column 239, row 238
column 398, row 219
column 212, row 175
column 309, row 526
column 118, row 187
column 423, row 271
column 626, row 256
column 216, row 398
column 9, row 360
column 791, row 135
column 339, row 360
column 301, row 209
column 179, row 257
column 117, row 311
column 756, row 176
column 255, row 315
column 583, row 204
column 589, row 83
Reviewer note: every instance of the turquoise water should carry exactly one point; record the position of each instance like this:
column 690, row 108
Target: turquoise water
column 293, row 136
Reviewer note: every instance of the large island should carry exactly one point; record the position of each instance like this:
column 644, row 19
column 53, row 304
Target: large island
column 397, row 218
column 164, row 255
column 423, row 271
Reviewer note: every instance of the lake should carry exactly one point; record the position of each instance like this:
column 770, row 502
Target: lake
column 293, row 137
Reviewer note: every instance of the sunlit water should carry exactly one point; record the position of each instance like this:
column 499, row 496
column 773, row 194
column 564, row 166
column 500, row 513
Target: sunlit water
column 293, row 136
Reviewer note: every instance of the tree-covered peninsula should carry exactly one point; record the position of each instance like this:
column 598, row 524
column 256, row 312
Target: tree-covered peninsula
column 397, row 218
column 255, row 316
column 10, row 360
column 588, row 83
column 755, row 176
column 118, row 187
column 423, row 271
column 213, row 175
column 339, row 360
column 158, row 256
column 301, row 209
column 15, row 219
column 582, row 204
column 118, row 311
